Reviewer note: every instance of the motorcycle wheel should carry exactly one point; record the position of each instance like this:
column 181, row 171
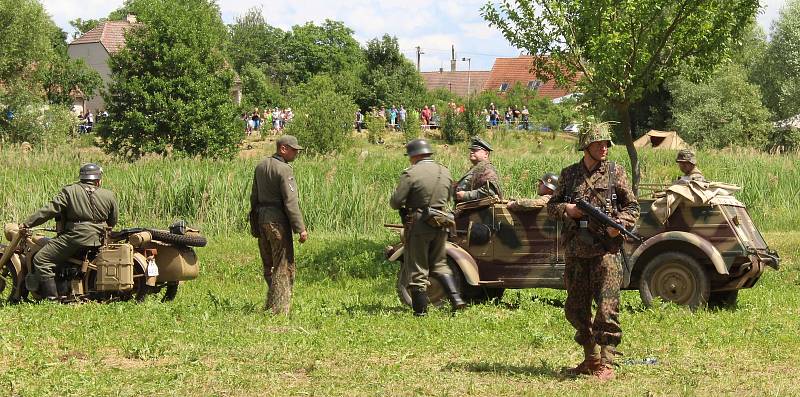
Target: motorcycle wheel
column 8, row 285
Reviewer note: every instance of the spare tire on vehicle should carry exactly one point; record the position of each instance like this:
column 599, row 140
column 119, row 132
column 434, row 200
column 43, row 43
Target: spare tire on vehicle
column 191, row 240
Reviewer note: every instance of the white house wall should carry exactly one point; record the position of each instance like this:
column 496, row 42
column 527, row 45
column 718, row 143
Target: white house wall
column 96, row 56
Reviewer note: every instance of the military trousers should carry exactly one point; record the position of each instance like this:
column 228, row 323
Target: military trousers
column 425, row 253
column 56, row 252
column 595, row 279
column 277, row 258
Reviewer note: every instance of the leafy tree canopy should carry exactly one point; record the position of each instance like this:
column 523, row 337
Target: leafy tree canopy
column 778, row 74
column 171, row 84
column 389, row 78
column 328, row 48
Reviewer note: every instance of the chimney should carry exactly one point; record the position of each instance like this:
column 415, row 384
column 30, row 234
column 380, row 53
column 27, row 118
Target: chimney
column 441, row 70
column 452, row 58
column 131, row 18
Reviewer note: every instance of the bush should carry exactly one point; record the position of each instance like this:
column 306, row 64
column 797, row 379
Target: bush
column 34, row 120
column 324, row 124
column 412, row 127
column 451, row 127
column 376, row 128
column 471, row 119
column 782, row 140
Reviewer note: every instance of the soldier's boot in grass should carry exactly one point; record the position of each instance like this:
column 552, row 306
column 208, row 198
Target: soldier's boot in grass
column 48, row 290
column 449, row 285
column 591, row 361
column 419, row 301
column 605, row 371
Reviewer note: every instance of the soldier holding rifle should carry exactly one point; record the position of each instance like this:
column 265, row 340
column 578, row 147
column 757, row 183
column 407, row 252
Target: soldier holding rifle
column 592, row 269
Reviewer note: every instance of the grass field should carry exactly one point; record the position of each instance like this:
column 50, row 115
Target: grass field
column 348, row 334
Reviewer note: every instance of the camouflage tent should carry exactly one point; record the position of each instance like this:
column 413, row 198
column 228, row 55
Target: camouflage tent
column 661, row 140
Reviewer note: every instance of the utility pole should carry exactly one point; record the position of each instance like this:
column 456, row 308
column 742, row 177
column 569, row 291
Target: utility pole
column 469, row 80
column 418, row 54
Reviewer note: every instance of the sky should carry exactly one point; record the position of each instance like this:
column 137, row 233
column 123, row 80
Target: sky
column 432, row 25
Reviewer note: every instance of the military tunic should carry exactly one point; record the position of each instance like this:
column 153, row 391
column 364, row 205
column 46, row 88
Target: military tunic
column 83, row 211
column 424, row 184
column 479, row 182
column 592, row 270
column 275, row 198
column 694, row 175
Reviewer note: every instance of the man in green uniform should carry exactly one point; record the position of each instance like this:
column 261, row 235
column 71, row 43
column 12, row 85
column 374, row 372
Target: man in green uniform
column 687, row 162
column 425, row 184
column 275, row 214
column 547, row 185
column 481, row 180
column 83, row 210
column 592, row 269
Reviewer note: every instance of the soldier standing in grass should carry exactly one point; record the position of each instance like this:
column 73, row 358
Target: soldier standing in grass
column 425, row 184
column 82, row 210
column 274, row 215
column 687, row 162
column 481, row 180
column 592, row 271
column 547, row 185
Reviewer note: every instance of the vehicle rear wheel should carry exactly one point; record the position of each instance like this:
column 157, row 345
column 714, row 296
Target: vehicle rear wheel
column 675, row 277
column 8, row 285
column 723, row 299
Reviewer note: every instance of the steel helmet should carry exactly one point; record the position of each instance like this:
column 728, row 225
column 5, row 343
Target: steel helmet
column 550, row 180
column 90, row 172
column 417, row 147
column 594, row 132
column 686, row 156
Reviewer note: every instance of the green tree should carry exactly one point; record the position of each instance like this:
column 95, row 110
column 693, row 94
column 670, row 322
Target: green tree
column 622, row 48
column 323, row 119
column 779, row 72
column 725, row 111
column 258, row 89
column 328, row 48
column 389, row 78
column 26, row 33
column 254, row 41
column 63, row 74
column 170, row 84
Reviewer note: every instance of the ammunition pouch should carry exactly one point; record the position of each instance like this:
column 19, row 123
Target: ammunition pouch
column 437, row 218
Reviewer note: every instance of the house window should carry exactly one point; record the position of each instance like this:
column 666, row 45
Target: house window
column 534, row 84
column 503, row 87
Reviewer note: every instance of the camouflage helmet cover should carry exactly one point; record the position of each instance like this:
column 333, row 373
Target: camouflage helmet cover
column 90, row 172
column 550, row 180
column 686, row 156
column 594, row 132
column 418, row 147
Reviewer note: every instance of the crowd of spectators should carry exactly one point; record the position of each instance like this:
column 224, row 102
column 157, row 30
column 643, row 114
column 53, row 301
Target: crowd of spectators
column 273, row 120
column 513, row 117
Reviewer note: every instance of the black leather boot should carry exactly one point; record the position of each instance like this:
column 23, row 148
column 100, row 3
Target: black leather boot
column 419, row 301
column 47, row 289
column 449, row 285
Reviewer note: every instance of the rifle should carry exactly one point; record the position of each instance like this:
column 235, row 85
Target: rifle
column 604, row 219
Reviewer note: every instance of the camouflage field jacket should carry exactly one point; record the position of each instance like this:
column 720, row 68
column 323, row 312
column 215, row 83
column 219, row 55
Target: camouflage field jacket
column 578, row 182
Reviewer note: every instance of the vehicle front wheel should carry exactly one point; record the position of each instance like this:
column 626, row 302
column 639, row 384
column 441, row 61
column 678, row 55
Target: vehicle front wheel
column 436, row 293
column 675, row 277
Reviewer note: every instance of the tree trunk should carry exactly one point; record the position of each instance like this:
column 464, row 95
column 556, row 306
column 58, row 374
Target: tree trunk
column 623, row 109
column 279, row 297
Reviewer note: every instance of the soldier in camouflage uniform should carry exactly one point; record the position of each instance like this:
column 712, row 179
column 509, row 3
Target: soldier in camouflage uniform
column 592, row 270
column 481, row 180
column 424, row 184
column 547, row 185
column 274, row 215
column 687, row 162
column 83, row 211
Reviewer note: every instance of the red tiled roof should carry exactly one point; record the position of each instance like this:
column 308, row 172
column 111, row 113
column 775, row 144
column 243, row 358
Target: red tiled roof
column 111, row 34
column 513, row 70
column 456, row 82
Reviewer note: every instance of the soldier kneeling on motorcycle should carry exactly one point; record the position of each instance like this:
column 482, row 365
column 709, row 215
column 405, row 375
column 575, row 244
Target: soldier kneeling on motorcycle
column 83, row 210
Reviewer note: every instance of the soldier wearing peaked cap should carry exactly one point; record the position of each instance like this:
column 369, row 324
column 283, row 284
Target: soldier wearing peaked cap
column 592, row 271
column 423, row 186
column 482, row 179
column 274, row 215
column 687, row 162
column 83, row 211
column 547, row 185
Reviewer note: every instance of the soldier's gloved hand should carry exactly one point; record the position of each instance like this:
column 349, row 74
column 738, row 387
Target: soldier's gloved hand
column 612, row 232
column 574, row 212
column 303, row 236
column 460, row 195
column 22, row 226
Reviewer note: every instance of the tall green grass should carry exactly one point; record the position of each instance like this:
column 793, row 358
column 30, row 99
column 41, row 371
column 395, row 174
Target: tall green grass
column 349, row 192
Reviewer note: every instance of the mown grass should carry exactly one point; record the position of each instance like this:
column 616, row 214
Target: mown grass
column 347, row 333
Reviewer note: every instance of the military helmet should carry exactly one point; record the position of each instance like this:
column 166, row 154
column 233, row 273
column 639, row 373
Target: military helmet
column 417, row 147
column 594, row 132
column 686, row 156
column 550, row 180
column 90, row 172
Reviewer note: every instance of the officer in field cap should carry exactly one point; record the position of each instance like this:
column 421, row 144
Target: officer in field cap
column 482, row 179
column 687, row 162
column 274, row 216
column 547, row 185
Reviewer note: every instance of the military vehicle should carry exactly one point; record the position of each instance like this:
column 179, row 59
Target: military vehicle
column 701, row 255
column 131, row 264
